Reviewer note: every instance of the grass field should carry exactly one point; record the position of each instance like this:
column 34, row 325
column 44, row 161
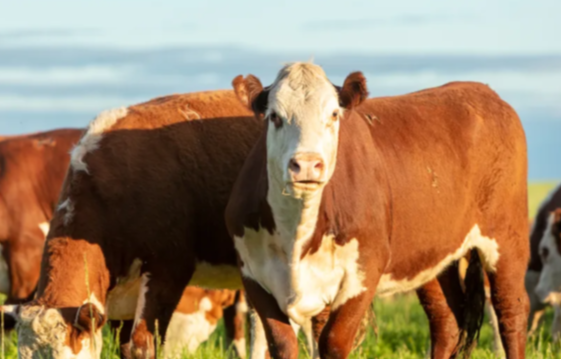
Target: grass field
column 402, row 326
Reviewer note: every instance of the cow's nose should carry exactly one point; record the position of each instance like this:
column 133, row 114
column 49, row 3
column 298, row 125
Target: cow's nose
column 306, row 167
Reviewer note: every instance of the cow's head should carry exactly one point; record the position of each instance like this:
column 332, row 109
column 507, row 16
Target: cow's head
column 549, row 285
column 303, row 109
column 58, row 333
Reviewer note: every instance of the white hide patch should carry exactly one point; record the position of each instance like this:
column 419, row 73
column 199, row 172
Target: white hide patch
column 210, row 276
column 302, row 287
column 90, row 141
column 141, row 303
column 42, row 333
column 44, row 227
column 68, row 206
column 239, row 345
column 187, row 331
column 548, row 289
column 488, row 248
column 5, row 283
column 258, row 341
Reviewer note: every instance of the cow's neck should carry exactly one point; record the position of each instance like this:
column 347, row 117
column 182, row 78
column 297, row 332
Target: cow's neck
column 295, row 219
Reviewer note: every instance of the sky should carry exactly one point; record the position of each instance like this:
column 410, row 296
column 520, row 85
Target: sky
column 62, row 61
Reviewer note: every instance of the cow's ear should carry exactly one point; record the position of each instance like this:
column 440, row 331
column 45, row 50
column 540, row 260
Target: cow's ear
column 88, row 317
column 251, row 93
column 353, row 92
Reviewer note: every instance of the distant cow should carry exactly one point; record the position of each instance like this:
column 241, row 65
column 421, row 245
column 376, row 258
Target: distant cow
column 32, row 170
column 543, row 279
column 147, row 186
column 342, row 198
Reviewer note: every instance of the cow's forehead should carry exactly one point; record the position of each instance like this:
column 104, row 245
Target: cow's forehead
column 301, row 84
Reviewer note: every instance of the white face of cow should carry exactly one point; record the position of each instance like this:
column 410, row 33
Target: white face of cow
column 549, row 285
column 303, row 109
column 44, row 333
column 302, row 137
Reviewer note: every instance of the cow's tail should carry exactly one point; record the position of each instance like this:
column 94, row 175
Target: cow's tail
column 474, row 305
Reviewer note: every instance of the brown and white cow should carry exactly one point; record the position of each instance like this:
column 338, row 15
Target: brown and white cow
column 342, row 198
column 543, row 279
column 146, row 185
column 32, row 169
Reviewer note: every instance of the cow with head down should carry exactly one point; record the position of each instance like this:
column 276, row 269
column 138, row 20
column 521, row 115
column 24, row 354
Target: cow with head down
column 141, row 206
column 32, row 170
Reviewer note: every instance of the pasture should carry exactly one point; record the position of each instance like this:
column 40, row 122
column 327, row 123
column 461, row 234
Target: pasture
column 402, row 326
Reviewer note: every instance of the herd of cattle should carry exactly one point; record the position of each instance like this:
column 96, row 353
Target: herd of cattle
column 305, row 197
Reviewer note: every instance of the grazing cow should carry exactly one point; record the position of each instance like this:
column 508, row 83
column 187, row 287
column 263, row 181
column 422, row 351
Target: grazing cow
column 147, row 186
column 543, row 279
column 32, row 168
column 342, row 198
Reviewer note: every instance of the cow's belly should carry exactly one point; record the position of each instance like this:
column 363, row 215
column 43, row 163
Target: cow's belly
column 488, row 248
column 302, row 287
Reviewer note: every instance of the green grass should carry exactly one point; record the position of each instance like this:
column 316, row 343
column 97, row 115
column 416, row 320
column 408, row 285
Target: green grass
column 402, row 327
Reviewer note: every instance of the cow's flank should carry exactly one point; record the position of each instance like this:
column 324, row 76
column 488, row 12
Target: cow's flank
column 332, row 206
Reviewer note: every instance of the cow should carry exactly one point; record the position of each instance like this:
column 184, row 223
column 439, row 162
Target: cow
column 32, row 170
column 143, row 200
column 543, row 275
column 345, row 197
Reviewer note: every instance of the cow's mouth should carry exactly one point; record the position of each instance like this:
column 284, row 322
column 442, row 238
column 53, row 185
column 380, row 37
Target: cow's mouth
column 306, row 185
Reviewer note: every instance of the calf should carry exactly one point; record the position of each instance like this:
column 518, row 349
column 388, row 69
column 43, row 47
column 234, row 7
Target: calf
column 540, row 235
column 342, row 198
column 143, row 200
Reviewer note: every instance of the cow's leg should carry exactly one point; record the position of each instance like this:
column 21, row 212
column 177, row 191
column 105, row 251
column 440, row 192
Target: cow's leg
column 537, row 308
column 158, row 297
column 281, row 339
column 509, row 297
column 442, row 300
column 338, row 335
column 234, row 323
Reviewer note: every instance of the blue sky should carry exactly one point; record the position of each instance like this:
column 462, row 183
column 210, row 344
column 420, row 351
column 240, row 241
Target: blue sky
column 62, row 61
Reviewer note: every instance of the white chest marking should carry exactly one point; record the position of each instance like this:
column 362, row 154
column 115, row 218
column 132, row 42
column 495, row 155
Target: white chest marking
column 488, row 248
column 302, row 287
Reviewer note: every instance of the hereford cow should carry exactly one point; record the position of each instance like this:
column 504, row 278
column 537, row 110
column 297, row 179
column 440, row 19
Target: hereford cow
column 147, row 185
column 342, row 198
column 543, row 279
column 32, row 168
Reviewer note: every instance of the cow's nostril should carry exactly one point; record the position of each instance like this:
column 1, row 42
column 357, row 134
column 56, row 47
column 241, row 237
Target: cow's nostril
column 318, row 165
column 294, row 166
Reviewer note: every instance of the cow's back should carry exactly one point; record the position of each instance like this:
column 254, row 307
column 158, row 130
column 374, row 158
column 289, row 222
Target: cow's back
column 160, row 178
column 454, row 156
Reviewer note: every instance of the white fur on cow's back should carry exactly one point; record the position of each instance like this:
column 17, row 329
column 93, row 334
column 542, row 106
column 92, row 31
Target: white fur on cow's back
column 90, row 141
